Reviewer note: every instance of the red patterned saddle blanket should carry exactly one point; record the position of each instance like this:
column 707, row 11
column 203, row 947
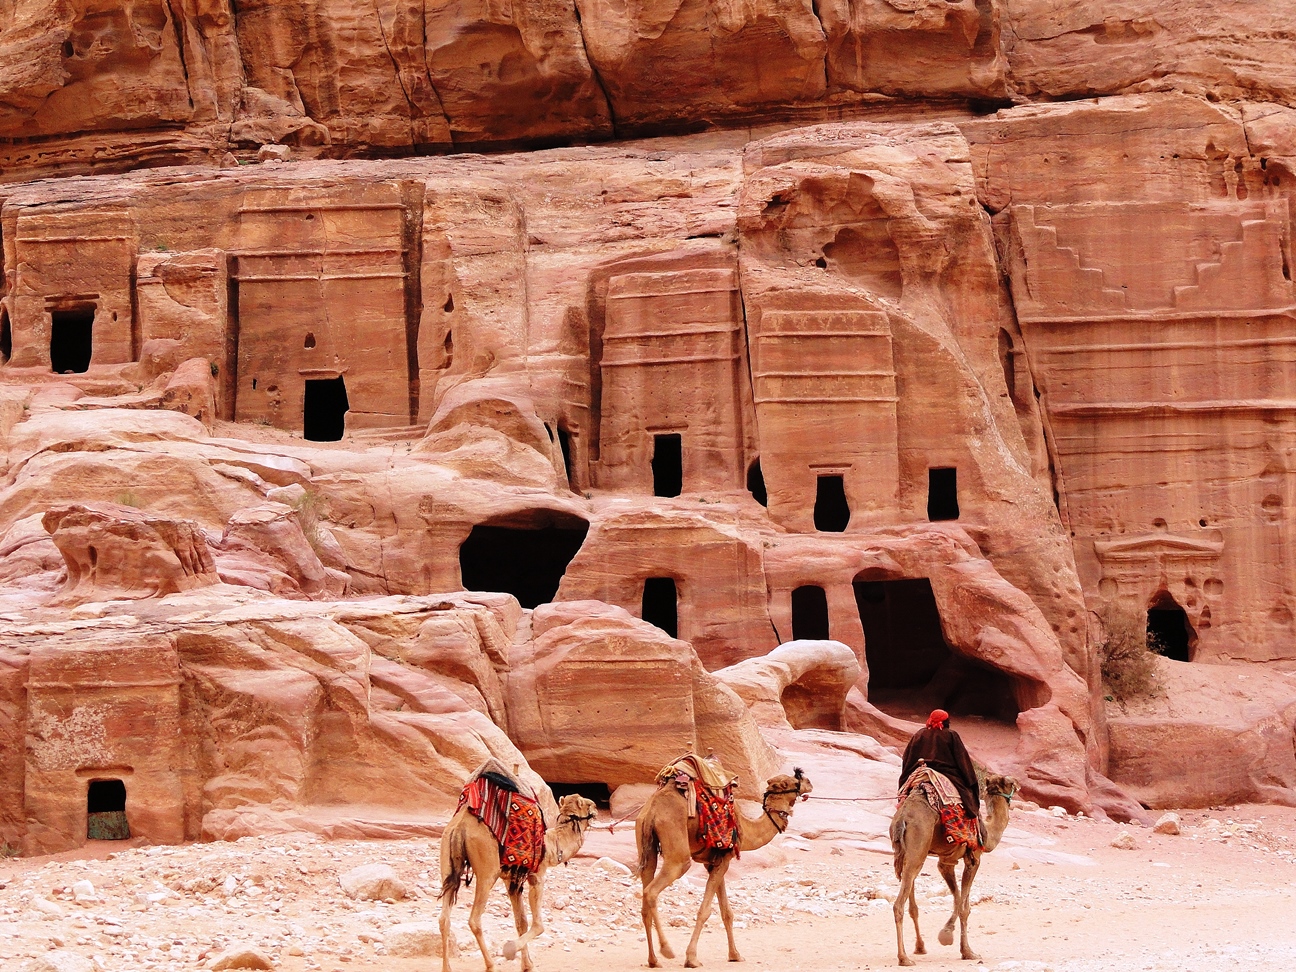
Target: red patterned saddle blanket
column 945, row 800
column 717, row 818
column 513, row 817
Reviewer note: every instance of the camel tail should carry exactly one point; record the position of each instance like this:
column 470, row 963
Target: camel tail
column 454, row 861
column 649, row 846
column 897, row 845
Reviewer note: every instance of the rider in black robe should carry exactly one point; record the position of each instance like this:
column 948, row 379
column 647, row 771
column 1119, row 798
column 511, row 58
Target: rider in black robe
column 941, row 748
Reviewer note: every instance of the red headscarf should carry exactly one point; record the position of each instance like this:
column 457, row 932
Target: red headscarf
column 937, row 719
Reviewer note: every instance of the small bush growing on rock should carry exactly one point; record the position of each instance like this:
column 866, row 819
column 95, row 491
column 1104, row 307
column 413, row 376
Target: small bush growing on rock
column 1128, row 664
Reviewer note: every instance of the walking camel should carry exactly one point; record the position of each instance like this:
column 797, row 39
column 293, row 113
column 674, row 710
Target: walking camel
column 916, row 832
column 469, row 844
column 664, row 828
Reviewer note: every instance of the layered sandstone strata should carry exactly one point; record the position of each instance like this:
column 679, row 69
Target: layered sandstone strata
column 944, row 390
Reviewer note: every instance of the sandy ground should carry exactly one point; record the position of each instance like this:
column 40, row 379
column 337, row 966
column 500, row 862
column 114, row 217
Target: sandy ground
column 1054, row 896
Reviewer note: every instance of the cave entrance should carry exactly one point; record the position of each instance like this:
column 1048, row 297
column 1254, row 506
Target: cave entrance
column 660, row 605
column 564, row 443
column 942, row 494
column 71, row 339
column 6, row 337
column 106, row 810
column 912, row 669
column 1169, row 631
column 668, row 464
column 809, row 613
column 831, row 510
column 527, row 561
column 324, row 410
column 756, row 484
column 600, row 793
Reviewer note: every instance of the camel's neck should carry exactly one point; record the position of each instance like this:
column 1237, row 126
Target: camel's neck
column 564, row 841
column 754, row 832
column 996, row 820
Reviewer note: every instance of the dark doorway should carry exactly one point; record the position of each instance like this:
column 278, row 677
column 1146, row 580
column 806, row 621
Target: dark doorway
column 912, row 669
column 809, row 613
column 660, row 605
column 528, row 563
column 942, row 494
column 106, row 810
column 756, row 484
column 6, row 337
column 668, row 464
column 1169, row 632
column 564, row 443
column 71, row 341
column 600, row 793
column 324, row 412
column 831, row 512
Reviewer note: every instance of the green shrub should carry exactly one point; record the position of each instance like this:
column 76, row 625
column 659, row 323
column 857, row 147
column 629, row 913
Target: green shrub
column 1128, row 662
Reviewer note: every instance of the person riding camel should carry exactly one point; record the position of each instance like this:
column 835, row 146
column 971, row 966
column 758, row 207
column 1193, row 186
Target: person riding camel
column 939, row 746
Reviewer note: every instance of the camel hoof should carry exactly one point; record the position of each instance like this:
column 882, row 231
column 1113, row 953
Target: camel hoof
column 920, row 949
column 946, row 936
column 510, row 950
column 666, row 951
column 971, row 956
column 692, row 964
column 735, row 957
column 906, row 960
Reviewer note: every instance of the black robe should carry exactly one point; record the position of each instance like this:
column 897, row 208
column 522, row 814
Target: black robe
column 943, row 751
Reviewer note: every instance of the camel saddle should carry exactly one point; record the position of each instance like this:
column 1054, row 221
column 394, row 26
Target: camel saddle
column 501, row 801
column 944, row 798
column 706, row 769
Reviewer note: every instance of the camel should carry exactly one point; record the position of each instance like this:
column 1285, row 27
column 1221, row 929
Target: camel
column 916, row 832
column 468, row 844
column 664, row 827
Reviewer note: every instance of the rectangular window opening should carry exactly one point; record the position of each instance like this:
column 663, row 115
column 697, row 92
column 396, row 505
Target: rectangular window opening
column 942, row 494
column 668, row 464
column 71, row 339
column 832, row 510
column 660, row 605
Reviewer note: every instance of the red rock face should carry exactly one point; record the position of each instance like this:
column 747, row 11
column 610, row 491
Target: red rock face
column 894, row 342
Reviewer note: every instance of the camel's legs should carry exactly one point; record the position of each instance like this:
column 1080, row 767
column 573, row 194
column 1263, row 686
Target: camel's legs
column 535, row 894
column 727, row 914
column 913, row 862
column 946, row 868
column 485, row 882
column 646, row 874
column 671, row 872
column 520, row 923
column 971, row 864
column 920, row 947
column 715, row 879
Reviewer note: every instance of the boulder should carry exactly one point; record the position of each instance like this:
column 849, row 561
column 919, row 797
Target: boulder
column 416, row 939
column 241, row 957
column 601, row 696
column 373, row 882
column 116, row 552
column 60, row 960
column 800, row 684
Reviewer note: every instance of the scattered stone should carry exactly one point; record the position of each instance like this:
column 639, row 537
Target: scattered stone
column 83, row 892
column 1123, row 841
column 373, row 882
column 45, row 906
column 240, row 957
column 612, row 867
column 273, row 153
column 60, row 961
column 1167, row 824
column 415, row 939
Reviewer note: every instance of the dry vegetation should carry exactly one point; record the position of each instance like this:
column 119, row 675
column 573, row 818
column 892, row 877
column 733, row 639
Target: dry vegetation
column 1128, row 655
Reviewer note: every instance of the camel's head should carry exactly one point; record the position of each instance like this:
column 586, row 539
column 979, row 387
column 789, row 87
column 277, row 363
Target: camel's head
column 575, row 811
column 1001, row 786
column 783, row 791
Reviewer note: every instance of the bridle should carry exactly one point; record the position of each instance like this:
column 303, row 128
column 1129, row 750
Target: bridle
column 577, row 822
column 777, row 815
column 1007, row 794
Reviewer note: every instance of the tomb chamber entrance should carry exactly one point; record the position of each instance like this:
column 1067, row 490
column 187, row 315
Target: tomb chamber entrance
column 1169, row 632
column 71, row 339
column 525, row 556
column 912, row 668
column 106, row 810
column 324, row 409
